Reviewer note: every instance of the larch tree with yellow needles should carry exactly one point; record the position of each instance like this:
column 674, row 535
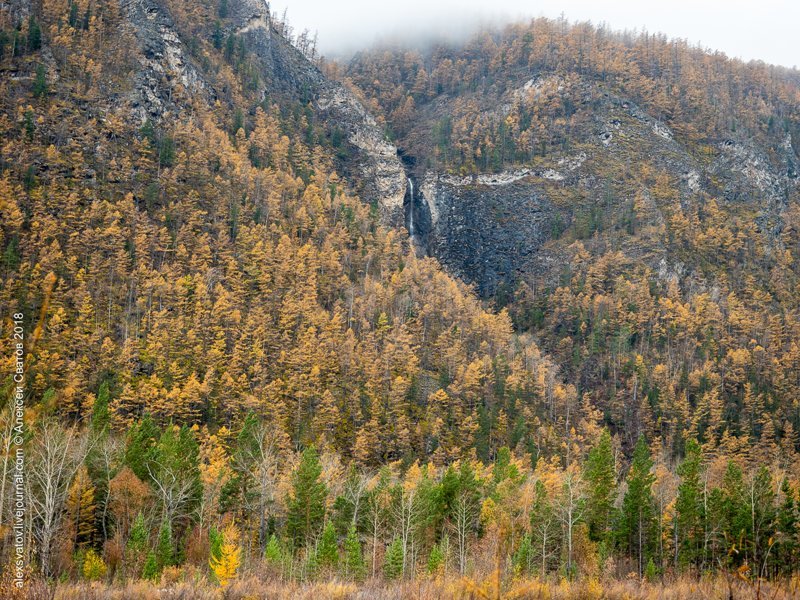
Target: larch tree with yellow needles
column 225, row 565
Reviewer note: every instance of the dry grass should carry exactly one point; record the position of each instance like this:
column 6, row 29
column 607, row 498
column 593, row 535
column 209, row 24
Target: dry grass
column 717, row 588
column 192, row 587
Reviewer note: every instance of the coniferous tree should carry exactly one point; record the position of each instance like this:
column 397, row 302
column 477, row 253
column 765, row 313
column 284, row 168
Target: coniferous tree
column 637, row 520
column 165, row 552
column 689, row 516
column 80, row 508
column 34, row 34
column 40, row 82
column 436, row 560
column 275, row 555
column 215, row 541
column 734, row 518
column 173, row 467
column 393, row 560
column 73, row 14
column 788, row 532
column 761, row 505
column 150, row 570
column 141, row 440
column 307, row 502
column 600, row 474
column 523, row 557
column 226, row 562
column 327, row 553
column 100, row 417
column 136, row 548
column 353, row 565
column 137, row 540
column 94, row 567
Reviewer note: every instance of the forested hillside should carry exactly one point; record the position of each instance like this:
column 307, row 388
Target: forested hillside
column 241, row 380
column 701, row 96
column 632, row 200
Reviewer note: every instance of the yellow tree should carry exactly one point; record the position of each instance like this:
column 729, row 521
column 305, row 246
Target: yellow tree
column 215, row 472
column 225, row 565
column 81, row 508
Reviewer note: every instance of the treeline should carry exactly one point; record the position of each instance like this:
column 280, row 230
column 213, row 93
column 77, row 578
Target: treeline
column 165, row 501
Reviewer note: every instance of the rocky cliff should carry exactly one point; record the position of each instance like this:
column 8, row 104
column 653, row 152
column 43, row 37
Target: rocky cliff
column 495, row 228
column 166, row 65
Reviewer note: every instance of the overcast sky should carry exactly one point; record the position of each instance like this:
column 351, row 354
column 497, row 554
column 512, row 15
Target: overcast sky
column 755, row 29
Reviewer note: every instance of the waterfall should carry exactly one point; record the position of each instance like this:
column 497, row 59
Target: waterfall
column 411, row 208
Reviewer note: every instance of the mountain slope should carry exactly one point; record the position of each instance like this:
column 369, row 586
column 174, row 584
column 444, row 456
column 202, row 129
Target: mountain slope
column 243, row 380
column 173, row 225
column 633, row 200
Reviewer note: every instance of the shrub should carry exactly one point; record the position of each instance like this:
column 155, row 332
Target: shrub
column 94, row 567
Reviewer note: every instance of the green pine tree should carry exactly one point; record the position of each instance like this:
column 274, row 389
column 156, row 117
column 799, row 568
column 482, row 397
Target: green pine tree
column 353, row 565
column 34, row 34
column 273, row 553
column 73, row 14
column 151, row 570
column 436, row 560
column 139, row 445
column 215, row 541
column 730, row 506
column 100, row 417
column 164, row 550
column 788, row 532
column 638, row 520
column 328, row 549
column 177, row 455
column 40, row 82
column 523, row 556
column 137, row 540
column 30, row 128
column 307, row 501
column 688, row 506
column 651, row 571
column 761, row 505
column 600, row 473
column 393, row 561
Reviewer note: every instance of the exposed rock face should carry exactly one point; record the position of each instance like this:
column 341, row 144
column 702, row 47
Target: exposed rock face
column 18, row 11
column 166, row 64
column 484, row 231
column 250, row 15
column 747, row 173
column 373, row 162
column 497, row 228
column 378, row 165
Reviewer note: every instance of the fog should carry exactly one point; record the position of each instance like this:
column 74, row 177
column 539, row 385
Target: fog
column 764, row 30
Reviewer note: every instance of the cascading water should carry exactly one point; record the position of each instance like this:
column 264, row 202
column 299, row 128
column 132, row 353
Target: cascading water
column 418, row 218
column 411, row 208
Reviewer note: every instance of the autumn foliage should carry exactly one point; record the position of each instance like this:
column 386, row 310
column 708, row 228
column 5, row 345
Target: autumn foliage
column 236, row 374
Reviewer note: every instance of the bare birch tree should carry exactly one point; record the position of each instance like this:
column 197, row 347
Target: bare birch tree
column 56, row 454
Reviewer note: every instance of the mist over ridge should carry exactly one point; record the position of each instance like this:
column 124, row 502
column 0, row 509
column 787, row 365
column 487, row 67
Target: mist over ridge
column 739, row 29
